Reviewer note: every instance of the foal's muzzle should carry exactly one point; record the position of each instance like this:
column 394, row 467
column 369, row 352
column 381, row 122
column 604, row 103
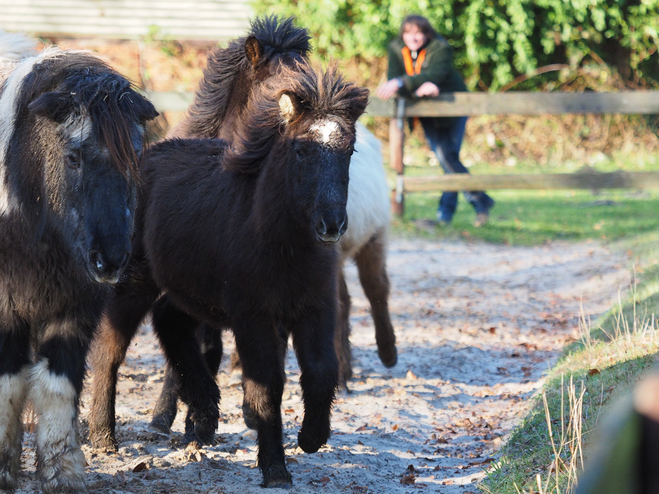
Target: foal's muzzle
column 107, row 269
column 330, row 228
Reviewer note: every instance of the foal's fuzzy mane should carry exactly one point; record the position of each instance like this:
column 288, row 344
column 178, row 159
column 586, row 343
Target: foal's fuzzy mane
column 110, row 100
column 320, row 94
column 224, row 64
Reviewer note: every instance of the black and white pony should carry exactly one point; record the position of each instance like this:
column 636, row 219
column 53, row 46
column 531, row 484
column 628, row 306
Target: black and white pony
column 71, row 133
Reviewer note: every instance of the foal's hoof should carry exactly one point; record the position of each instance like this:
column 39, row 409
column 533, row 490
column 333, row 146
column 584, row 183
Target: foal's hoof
column 200, row 424
column 388, row 356
column 159, row 425
column 103, row 442
column 61, row 485
column 310, row 443
column 201, row 431
column 277, row 477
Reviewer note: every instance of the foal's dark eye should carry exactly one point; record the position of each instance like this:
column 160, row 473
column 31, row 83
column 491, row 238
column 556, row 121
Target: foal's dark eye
column 72, row 160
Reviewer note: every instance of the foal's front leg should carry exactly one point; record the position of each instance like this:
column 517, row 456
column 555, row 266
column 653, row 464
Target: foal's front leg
column 14, row 372
column 258, row 343
column 132, row 300
column 196, row 386
column 164, row 412
column 313, row 339
column 55, row 384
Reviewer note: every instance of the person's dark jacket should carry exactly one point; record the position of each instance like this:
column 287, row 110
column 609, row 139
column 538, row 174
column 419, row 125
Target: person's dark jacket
column 437, row 68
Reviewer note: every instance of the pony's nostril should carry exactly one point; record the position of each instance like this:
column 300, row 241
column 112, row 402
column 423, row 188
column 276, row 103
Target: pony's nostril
column 321, row 227
column 343, row 227
column 97, row 261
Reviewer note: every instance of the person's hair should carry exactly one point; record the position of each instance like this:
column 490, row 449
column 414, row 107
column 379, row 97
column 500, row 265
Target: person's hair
column 421, row 23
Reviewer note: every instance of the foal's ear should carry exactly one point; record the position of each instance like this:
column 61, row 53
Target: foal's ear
column 289, row 106
column 55, row 106
column 253, row 49
column 144, row 108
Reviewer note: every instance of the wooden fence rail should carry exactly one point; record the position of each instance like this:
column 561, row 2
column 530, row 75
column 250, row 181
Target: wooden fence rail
column 513, row 103
column 470, row 104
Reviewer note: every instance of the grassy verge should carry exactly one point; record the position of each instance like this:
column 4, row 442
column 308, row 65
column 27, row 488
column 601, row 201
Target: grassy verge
column 545, row 453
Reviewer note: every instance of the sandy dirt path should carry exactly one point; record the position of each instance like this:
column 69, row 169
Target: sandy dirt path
column 477, row 326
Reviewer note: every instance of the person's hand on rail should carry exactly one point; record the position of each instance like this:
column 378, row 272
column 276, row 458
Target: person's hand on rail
column 427, row 89
column 388, row 89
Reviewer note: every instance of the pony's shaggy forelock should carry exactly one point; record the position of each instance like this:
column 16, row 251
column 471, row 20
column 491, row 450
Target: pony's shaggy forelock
column 321, row 94
column 106, row 97
column 224, row 64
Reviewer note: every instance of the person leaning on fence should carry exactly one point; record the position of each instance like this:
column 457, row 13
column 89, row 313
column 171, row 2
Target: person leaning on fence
column 420, row 65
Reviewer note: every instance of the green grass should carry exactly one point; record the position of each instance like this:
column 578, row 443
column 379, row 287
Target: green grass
column 537, row 217
column 532, row 217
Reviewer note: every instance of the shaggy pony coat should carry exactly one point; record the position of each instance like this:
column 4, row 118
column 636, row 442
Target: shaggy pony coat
column 241, row 236
column 232, row 73
column 71, row 131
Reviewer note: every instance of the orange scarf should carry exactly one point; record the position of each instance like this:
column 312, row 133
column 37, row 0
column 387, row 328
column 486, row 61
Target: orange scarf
column 412, row 69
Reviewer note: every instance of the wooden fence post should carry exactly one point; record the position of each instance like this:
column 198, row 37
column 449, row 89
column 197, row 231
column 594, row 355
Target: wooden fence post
column 396, row 143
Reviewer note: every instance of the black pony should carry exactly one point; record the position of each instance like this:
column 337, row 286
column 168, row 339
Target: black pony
column 231, row 76
column 232, row 73
column 242, row 236
column 71, row 132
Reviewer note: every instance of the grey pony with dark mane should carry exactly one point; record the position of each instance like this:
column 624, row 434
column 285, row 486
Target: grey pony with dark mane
column 242, row 236
column 71, row 133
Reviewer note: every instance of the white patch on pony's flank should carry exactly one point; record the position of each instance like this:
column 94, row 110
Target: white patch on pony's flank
column 60, row 462
column 368, row 194
column 325, row 131
column 13, row 389
column 15, row 47
column 10, row 92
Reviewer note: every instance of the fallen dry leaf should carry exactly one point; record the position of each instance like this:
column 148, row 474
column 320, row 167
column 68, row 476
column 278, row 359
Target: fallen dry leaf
column 140, row 467
column 409, row 478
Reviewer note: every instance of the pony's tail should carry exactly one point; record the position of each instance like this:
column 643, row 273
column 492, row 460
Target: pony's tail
column 14, row 47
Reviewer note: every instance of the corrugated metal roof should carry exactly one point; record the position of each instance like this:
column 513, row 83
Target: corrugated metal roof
column 128, row 19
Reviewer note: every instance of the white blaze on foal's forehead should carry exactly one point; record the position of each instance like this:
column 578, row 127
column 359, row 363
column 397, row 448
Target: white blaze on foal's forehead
column 325, row 131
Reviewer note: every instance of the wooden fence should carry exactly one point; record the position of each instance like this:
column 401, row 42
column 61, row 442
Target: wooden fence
column 470, row 104
column 519, row 103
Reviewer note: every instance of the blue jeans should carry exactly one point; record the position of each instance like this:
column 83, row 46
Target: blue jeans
column 445, row 142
